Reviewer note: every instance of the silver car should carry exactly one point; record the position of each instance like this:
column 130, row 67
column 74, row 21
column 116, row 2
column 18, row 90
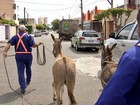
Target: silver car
column 86, row 39
column 37, row 34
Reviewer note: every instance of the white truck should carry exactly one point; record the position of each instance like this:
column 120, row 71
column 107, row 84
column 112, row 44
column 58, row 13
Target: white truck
column 125, row 38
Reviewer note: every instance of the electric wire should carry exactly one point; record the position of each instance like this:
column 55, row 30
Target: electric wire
column 36, row 3
column 72, row 6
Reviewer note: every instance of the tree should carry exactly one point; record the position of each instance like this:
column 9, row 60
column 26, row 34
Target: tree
column 40, row 27
column 114, row 14
column 55, row 24
column 5, row 21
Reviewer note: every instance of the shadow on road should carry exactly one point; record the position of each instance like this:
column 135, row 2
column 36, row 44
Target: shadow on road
column 9, row 97
column 83, row 51
column 12, row 96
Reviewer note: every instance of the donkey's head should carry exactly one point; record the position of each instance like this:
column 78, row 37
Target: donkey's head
column 56, row 45
column 106, row 54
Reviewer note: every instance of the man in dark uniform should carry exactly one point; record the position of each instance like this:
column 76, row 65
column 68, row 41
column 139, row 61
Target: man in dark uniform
column 124, row 86
column 23, row 44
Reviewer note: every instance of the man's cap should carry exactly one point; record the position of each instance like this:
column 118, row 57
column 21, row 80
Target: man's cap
column 22, row 27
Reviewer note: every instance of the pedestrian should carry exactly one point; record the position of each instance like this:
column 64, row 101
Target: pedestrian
column 23, row 44
column 124, row 86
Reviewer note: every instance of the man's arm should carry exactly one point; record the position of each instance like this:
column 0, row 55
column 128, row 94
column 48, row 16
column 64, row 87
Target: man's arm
column 7, row 47
column 36, row 45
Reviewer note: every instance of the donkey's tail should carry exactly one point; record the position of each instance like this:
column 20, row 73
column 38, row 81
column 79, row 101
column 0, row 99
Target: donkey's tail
column 102, row 79
column 70, row 80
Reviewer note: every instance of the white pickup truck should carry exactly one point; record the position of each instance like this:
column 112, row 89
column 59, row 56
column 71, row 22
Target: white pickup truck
column 125, row 38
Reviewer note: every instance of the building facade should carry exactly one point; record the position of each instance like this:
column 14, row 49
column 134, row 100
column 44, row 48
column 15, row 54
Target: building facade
column 43, row 20
column 132, row 4
column 7, row 9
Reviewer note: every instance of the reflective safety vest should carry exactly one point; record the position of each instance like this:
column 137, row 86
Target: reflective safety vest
column 23, row 45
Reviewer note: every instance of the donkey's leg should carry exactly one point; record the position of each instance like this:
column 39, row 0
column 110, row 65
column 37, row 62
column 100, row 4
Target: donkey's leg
column 62, row 91
column 54, row 91
column 70, row 88
column 58, row 88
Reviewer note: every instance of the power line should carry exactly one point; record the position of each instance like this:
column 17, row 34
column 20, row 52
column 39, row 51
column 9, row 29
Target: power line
column 72, row 6
column 38, row 3
column 76, row 13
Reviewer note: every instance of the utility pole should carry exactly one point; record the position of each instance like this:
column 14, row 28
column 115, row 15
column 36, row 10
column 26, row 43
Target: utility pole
column 111, row 3
column 27, row 18
column 81, row 14
column 24, row 15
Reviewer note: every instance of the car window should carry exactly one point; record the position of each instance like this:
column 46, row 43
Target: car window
column 124, row 33
column 135, row 34
column 89, row 34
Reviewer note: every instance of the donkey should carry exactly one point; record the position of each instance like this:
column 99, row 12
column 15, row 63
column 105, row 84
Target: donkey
column 64, row 72
column 107, row 64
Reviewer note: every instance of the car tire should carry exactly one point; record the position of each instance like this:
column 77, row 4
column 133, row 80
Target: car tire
column 96, row 49
column 77, row 48
column 71, row 44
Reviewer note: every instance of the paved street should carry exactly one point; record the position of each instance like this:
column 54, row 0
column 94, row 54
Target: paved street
column 39, row 92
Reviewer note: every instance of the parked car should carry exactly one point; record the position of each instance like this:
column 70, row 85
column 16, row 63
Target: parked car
column 44, row 32
column 125, row 39
column 86, row 39
column 37, row 34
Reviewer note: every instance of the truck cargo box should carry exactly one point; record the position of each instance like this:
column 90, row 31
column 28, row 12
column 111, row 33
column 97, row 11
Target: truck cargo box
column 67, row 27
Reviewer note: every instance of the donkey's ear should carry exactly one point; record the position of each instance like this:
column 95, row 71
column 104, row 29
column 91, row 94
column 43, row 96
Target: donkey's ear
column 61, row 39
column 53, row 37
column 113, row 46
column 103, row 47
column 108, row 48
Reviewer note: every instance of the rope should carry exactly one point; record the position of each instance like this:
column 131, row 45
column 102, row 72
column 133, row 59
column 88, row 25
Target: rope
column 48, row 50
column 39, row 61
column 10, row 83
column 1, row 47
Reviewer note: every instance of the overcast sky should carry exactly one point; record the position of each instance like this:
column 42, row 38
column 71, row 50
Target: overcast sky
column 56, row 9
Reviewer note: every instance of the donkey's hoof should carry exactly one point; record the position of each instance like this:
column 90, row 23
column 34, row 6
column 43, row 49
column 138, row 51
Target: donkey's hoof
column 54, row 99
column 61, row 101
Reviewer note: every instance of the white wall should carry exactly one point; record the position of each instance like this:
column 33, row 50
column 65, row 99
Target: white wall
column 12, row 31
column 2, row 33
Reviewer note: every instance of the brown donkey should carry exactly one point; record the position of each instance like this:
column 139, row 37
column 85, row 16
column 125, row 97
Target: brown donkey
column 64, row 72
column 107, row 64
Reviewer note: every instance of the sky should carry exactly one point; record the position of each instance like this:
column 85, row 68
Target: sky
column 58, row 9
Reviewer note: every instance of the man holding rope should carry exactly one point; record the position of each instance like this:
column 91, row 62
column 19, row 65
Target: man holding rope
column 23, row 44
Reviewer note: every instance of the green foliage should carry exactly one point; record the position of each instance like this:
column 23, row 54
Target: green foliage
column 21, row 21
column 114, row 14
column 99, row 16
column 55, row 24
column 10, row 22
column 40, row 27
column 30, row 28
column 128, row 12
column 47, row 27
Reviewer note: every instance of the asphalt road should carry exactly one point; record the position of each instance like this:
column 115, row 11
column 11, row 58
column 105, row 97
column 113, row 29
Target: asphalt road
column 39, row 92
